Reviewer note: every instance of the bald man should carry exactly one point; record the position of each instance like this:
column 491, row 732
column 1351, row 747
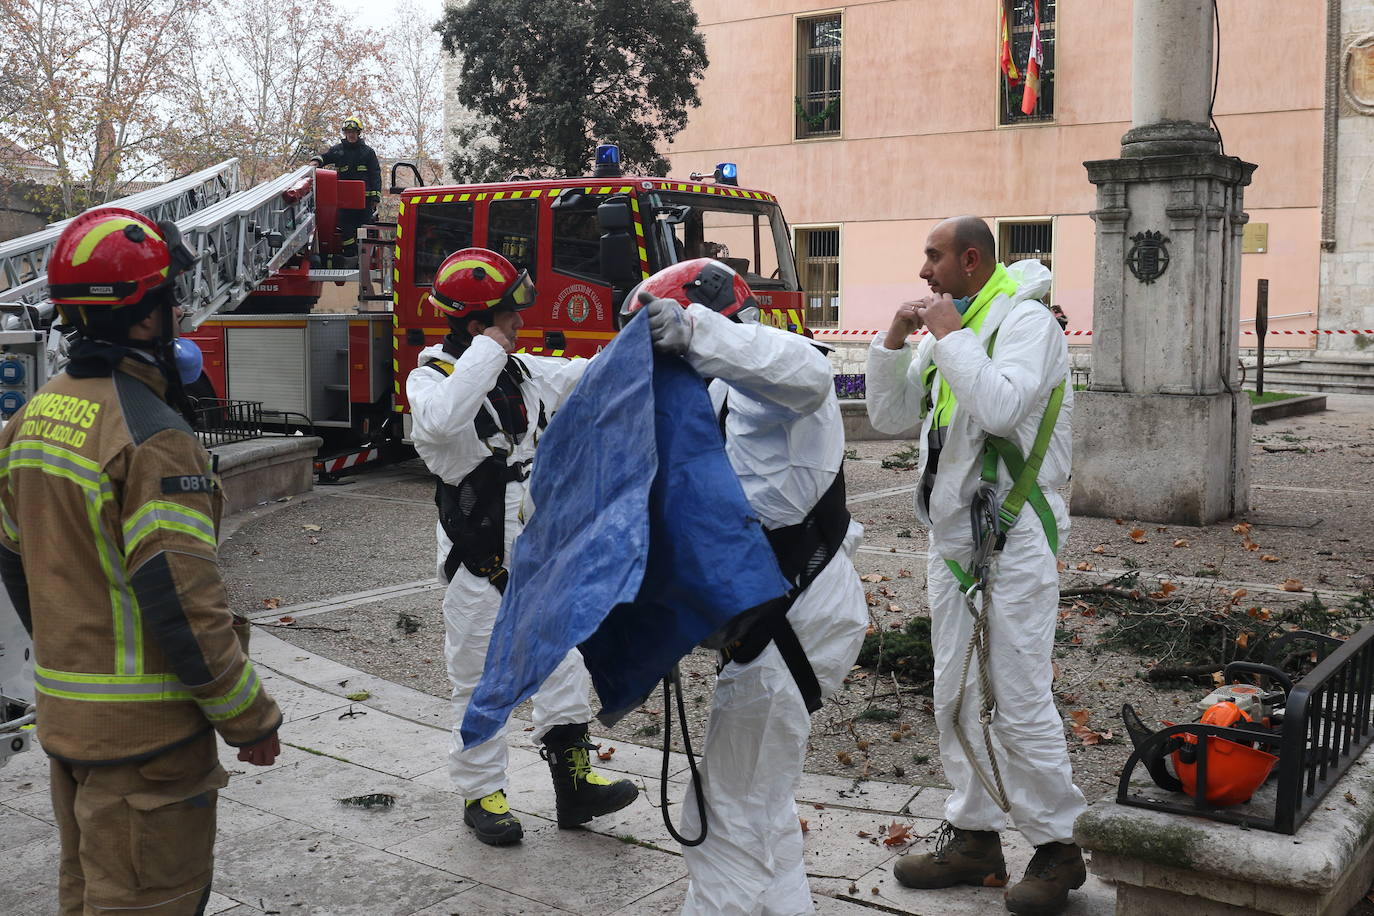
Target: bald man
column 993, row 368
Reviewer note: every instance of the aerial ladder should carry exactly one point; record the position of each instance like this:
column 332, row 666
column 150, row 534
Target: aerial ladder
column 238, row 238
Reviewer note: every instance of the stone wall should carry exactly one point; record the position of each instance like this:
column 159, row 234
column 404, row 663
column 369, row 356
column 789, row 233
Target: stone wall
column 1347, row 267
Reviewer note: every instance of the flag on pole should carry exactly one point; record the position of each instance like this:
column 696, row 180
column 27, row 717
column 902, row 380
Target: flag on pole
column 1037, row 57
column 1008, row 65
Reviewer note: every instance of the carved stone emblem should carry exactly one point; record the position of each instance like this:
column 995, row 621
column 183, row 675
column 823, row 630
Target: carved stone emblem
column 1359, row 74
column 1149, row 256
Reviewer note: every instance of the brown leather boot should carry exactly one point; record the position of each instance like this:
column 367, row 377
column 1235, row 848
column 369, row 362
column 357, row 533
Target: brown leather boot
column 1054, row 870
column 960, row 857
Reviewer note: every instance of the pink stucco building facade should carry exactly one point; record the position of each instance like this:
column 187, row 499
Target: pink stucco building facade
column 918, row 134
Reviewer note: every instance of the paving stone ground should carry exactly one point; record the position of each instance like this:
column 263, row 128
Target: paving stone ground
column 287, row 846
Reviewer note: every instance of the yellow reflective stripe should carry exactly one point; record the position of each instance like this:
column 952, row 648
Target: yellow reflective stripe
column 239, row 697
column 62, row 455
column 109, row 687
column 160, row 514
column 449, row 269
column 98, row 234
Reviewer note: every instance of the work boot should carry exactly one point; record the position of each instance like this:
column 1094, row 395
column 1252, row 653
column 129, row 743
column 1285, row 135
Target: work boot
column 960, row 857
column 1054, row 870
column 490, row 818
column 580, row 791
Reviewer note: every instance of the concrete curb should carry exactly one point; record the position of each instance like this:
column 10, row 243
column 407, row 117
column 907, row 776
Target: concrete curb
column 265, row 469
column 1288, row 407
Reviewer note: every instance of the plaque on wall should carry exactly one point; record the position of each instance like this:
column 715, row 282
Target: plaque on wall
column 1254, row 238
column 1359, row 74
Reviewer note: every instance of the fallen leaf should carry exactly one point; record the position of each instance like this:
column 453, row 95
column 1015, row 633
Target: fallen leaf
column 271, row 602
column 607, row 754
column 872, row 600
column 1248, row 544
column 312, row 527
column 893, row 608
column 864, row 834
column 1054, row 676
column 1243, row 528
column 1165, row 590
column 1118, row 521
column 1243, row 640
column 1138, row 535
column 1350, row 797
column 314, row 540
column 358, row 696
column 896, row 737
column 1291, row 585
column 861, row 744
column 804, row 826
column 286, row 620
column 844, row 758
column 1161, row 530
column 1084, row 566
column 903, row 574
column 1060, row 565
column 1100, row 548
column 872, row 577
column 1080, row 716
column 1090, row 737
column 871, row 630
column 1180, row 542
column 1269, row 558
column 897, row 835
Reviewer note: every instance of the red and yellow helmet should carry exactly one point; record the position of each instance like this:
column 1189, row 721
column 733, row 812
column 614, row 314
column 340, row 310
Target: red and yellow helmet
column 113, row 257
column 475, row 280
column 701, row 280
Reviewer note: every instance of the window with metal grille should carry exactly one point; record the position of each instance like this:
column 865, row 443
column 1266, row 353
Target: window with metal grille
column 1021, row 28
column 818, row 77
column 1020, row 241
column 818, row 266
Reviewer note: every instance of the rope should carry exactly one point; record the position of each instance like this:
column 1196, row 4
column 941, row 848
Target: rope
column 978, row 641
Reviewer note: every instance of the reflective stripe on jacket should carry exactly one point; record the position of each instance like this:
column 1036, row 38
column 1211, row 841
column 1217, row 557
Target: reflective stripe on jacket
column 108, row 535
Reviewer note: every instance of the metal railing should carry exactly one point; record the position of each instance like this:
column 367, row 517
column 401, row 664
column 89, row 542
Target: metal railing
column 1328, row 722
column 220, row 421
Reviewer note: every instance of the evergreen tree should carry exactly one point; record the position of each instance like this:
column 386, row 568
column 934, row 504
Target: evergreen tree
column 548, row 79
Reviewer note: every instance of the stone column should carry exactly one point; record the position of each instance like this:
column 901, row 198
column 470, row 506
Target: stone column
column 1164, row 432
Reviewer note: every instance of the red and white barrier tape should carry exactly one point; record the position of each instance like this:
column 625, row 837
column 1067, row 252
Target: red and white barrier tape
column 834, row 332
column 333, row 466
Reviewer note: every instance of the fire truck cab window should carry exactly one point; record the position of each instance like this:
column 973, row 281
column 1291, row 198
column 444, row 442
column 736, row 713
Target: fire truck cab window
column 577, row 242
column 440, row 230
column 748, row 235
column 511, row 230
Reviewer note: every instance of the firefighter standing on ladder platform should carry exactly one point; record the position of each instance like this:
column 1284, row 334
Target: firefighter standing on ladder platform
column 477, row 413
column 110, row 515
column 988, row 386
column 354, row 160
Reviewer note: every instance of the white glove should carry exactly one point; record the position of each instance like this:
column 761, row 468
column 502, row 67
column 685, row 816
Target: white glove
column 668, row 326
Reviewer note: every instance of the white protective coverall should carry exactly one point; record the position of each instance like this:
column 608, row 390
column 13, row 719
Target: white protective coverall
column 784, row 438
column 443, row 413
column 1005, row 396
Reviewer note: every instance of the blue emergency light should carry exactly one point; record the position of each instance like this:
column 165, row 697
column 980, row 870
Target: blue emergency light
column 607, row 161
column 727, row 173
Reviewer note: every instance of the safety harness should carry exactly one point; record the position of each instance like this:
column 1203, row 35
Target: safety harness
column 473, row 513
column 990, row 524
column 802, row 550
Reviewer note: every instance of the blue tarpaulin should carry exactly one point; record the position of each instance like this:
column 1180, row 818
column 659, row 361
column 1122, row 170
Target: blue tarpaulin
column 641, row 545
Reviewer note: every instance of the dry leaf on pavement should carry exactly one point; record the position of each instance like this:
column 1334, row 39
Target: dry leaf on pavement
column 898, row 835
column 1138, row 535
column 271, row 602
column 1085, row 566
column 1180, row 542
column 1269, row 558
column 1291, row 585
column 607, row 754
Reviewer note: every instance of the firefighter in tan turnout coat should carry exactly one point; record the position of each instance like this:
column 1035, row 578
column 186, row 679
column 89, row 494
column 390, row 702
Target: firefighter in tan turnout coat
column 108, row 535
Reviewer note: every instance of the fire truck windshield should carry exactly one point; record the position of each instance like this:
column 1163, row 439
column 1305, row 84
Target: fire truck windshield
column 749, row 235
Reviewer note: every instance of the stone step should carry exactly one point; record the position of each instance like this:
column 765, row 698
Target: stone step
column 1314, row 384
column 1303, row 373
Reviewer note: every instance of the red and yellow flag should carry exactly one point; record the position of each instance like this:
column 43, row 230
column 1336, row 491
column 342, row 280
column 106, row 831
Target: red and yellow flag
column 1007, row 64
column 1037, row 57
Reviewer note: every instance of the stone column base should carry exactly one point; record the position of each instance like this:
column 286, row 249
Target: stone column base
column 1167, row 458
column 260, row 470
